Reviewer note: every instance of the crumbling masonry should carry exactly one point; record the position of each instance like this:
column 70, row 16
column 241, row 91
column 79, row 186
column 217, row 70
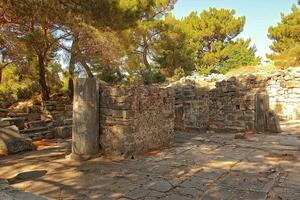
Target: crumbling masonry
column 130, row 119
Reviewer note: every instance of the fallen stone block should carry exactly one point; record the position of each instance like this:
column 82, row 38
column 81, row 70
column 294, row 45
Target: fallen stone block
column 11, row 142
column 69, row 107
column 64, row 132
column 9, row 193
column 240, row 136
column 18, row 121
column 3, row 112
column 4, row 124
column 273, row 123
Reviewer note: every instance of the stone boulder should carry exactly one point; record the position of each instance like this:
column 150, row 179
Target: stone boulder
column 9, row 193
column 11, row 142
column 64, row 132
column 273, row 122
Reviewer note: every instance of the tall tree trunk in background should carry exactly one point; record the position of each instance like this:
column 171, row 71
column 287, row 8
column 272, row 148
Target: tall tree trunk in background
column 72, row 64
column 42, row 78
column 145, row 53
column 87, row 68
column 71, row 74
column 0, row 75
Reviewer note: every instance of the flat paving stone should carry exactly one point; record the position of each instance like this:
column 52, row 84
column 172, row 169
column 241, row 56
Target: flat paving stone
column 198, row 166
column 247, row 181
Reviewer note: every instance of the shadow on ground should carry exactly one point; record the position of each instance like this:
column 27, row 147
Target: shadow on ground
column 198, row 166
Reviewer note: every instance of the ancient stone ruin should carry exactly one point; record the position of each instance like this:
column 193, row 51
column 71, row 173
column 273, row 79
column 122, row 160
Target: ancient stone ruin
column 124, row 120
column 203, row 139
column 130, row 119
column 248, row 103
column 136, row 118
column 233, row 105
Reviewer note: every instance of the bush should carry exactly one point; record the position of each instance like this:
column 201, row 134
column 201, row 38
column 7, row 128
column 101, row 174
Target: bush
column 153, row 76
column 13, row 88
column 205, row 70
column 178, row 74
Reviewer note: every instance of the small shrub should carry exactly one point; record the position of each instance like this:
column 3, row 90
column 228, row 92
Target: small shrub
column 205, row 70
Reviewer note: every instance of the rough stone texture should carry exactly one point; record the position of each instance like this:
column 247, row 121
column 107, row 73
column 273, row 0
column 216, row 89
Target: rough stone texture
column 206, row 166
column 53, row 117
column 191, row 107
column 64, row 132
column 85, row 133
column 3, row 112
column 232, row 105
column 135, row 119
column 246, row 103
column 9, row 193
column 284, row 92
column 12, row 142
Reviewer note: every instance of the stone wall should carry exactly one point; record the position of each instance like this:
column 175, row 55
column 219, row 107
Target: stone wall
column 284, row 92
column 135, row 119
column 236, row 104
column 53, row 119
column 191, row 106
column 233, row 104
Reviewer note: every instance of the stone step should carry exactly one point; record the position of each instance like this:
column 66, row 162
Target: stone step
column 68, row 122
column 17, row 114
column 50, row 134
column 35, row 124
column 2, row 110
column 69, row 107
column 64, row 132
column 12, row 142
column 50, row 103
column 4, row 124
column 34, row 130
column 3, row 115
column 18, row 121
column 290, row 124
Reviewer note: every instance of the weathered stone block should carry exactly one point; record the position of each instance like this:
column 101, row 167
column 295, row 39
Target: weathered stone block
column 12, row 142
column 19, row 121
column 147, row 125
column 63, row 132
column 33, row 116
column 69, row 107
column 292, row 84
column 273, row 124
column 4, row 124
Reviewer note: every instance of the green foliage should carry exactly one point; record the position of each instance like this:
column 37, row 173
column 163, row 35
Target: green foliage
column 238, row 53
column 153, row 76
column 205, row 70
column 212, row 35
column 172, row 51
column 15, row 88
column 286, row 39
column 110, row 75
column 114, row 40
column 178, row 73
column 287, row 58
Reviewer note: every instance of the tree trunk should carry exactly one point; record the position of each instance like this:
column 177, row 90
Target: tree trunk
column 145, row 54
column 42, row 78
column 87, row 69
column 0, row 75
column 74, row 49
column 71, row 74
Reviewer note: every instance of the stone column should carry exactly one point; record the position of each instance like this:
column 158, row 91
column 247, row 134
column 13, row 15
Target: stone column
column 261, row 108
column 85, row 132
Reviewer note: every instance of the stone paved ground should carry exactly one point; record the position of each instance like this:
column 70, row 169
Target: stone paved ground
column 199, row 166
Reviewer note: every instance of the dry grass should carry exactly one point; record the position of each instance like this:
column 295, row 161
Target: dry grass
column 246, row 70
